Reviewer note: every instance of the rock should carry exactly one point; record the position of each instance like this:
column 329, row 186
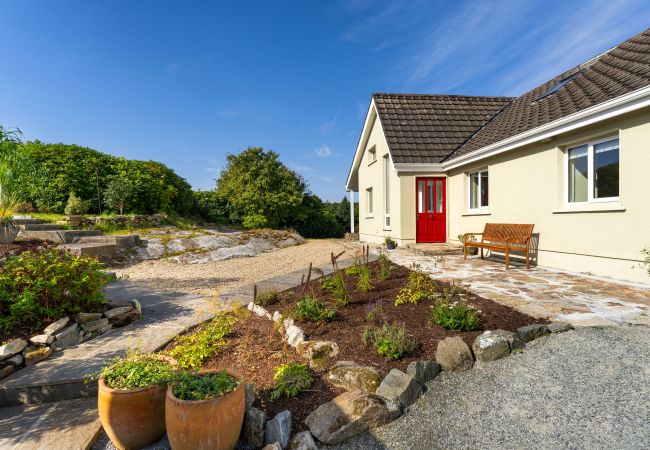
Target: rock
column 287, row 323
column 253, row 428
column 277, row 317
column 350, row 376
column 136, row 306
column 250, row 396
column 95, row 325
column 6, row 371
column 16, row 360
column 67, row 338
column 321, row 354
column 454, row 354
column 124, row 319
column 57, row 326
column 259, row 310
column 274, row 446
column 295, row 336
column 559, row 327
column 86, row 317
column 278, row 429
column 514, row 340
column 349, row 414
column 490, row 346
column 423, row 371
column 534, row 331
column 42, row 339
column 12, row 347
column 35, row 355
column 399, row 387
column 105, row 328
column 303, row 441
column 117, row 311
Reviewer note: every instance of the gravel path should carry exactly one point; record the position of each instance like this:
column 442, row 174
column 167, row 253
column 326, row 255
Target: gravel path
column 213, row 277
column 588, row 388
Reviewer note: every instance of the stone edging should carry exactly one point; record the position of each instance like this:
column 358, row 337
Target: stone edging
column 384, row 400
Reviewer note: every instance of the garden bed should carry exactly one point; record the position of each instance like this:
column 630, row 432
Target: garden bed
column 351, row 321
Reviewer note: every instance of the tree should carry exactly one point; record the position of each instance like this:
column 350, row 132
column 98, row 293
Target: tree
column 259, row 189
column 75, row 206
column 317, row 219
column 117, row 193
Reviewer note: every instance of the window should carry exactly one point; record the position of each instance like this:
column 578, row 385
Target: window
column 369, row 201
column 386, row 191
column 478, row 190
column 372, row 155
column 592, row 172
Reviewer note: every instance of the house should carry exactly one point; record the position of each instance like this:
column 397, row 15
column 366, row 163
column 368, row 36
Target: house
column 571, row 156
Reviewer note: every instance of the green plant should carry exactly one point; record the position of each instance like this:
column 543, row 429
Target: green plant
column 353, row 270
column 75, row 206
column 267, row 297
column 419, row 287
column 192, row 349
column 385, row 267
column 137, row 370
column 364, row 284
column 454, row 315
column 390, row 341
column 290, row 379
column 197, row 386
column 47, row 284
column 336, row 285
column 117, row 193
column 375, row 313
column 10, row 163
column 390, row 242
column 309, row 308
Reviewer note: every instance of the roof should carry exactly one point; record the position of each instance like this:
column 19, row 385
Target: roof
column 617, row 72
column 422, row 128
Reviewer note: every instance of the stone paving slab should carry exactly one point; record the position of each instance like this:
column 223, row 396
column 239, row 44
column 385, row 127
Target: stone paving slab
column 67, row 425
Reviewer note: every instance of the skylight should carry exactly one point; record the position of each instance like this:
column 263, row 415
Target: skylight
column 557, row 86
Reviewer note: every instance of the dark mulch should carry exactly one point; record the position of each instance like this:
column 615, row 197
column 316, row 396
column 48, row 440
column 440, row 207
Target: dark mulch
column 18, row 247
column 254, row 353
column 347, row 330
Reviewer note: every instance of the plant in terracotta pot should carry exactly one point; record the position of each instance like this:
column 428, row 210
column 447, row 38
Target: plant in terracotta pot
column 205, row 410
column 9, row 165
column 131, row 399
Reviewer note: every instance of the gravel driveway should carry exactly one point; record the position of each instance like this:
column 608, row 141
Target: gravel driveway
column 213, row 277
column 588, row 388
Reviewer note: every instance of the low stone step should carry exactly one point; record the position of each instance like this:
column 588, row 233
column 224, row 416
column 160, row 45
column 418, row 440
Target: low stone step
column 122, row 241
column 20, row 220
column 60, row 236
column 97, row 250
column 40, row 227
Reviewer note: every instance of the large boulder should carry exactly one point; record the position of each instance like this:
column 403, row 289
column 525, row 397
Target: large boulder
column 351, row 376
column 454, row 354
column 534, row 331
column 321, row 354
column 350, row 414
column 95, row 325
column 278, row 429
column 490, row 346
column 124, row 319
column 423, row 371
column 253, row 428
column 400, row 387
column 67, row 337
column 117, row 311
column 514, row 341
column 12, row 347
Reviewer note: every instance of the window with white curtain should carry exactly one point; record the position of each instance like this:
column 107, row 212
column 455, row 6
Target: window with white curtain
column 592, row 172
column 386, row 191
column 478, row 189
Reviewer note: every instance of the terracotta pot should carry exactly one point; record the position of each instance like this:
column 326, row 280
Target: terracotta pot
column 213, row 424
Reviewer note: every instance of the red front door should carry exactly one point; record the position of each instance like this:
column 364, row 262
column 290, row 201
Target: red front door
column 430, row 207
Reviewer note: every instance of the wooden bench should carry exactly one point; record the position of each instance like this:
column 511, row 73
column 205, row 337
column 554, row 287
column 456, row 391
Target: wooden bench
column 502, row 237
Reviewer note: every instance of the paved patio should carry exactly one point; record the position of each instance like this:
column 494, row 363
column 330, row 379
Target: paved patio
column 546, row 293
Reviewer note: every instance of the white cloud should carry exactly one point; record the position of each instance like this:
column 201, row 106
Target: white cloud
column 323, row 152
column 328, row 126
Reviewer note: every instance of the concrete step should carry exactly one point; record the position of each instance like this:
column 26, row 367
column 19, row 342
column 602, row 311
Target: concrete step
column 22, row 220
column 40, row 227
column 60, row 236
column 90, row 249
column 122, row 241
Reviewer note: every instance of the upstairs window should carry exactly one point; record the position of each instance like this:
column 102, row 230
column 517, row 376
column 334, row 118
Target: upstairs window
column 372, row 155
column 592, row 172
column 478, row 189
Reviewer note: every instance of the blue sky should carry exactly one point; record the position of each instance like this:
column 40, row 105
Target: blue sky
column 187, row 82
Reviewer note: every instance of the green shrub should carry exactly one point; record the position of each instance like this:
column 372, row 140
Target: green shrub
column 353, row 270
column 309, row 308
column 364, row 284
column 192, row 349
column 419, row 287
column 196, row 386
column 267, row 297
column 375, row 314
column 43, row 285
column 336, row 285
column 137, row 370
column 454, row 315
column 385, row 267
column 75, row 206
column 390, row 341
column 290, row 379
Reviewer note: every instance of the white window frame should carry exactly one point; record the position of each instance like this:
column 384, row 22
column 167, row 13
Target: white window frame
column 386, row 168
column 372, row 155
column 369, row 203
column 590, row 173
column 469, row 190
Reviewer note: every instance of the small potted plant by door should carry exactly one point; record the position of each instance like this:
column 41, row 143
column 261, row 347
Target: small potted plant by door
column 390, row 243
column 205, row 410
column 131, row 399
